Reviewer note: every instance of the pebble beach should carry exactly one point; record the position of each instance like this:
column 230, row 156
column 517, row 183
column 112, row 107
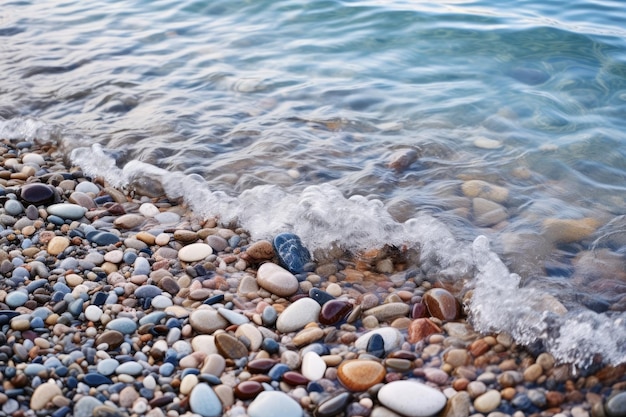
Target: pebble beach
column 114, row 303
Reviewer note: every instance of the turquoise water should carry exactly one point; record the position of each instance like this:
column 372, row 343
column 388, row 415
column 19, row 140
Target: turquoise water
column 278, row 111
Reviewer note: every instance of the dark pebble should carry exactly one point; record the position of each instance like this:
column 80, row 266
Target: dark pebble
column 37, row 193
column 162, row 400
column 214, row 299
column 270, row 345
column 210, row 379
column 334, row 311
column 101, row 238
column 248, row 389
column 94, row 379
column 294, row 378
column 61, row 412
column 291, row 252
column 260, row 366
column 334, row 405
column 376, row 345
column 321, row 296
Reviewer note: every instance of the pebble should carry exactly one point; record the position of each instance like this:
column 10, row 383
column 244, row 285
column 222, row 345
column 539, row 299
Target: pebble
column 291, row 252
column 298, row 315
column 261, row 250
column 67, row 211
column 129, row 368
column 43, row 394
column 313, row 366
column 107, row 366
column 13, row 207
column 334, row 405
column 194, row 252
column 37, row 193
column 16, row 299
column 411, row 398
column 388, row 311
column 483, row 189
column 57, row 245
column 233, row 317
column 230, row 347
column 360, row 375
column 441, row 304
column 392, row 338
column 204, row 401
column 207, row 321
column 85, row 406
column 420, row 329
column 123, row 325
column 277, row 280
column 334, row 311
column 273, row 404
column 129, row 221
column 488, row 401
column 616, row 405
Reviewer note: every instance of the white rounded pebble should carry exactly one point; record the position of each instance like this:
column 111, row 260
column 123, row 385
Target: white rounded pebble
column 277, row 280
column 486, row 143
column 194, row 252
column 161, row 302
column 412, row 398
column 298, row 315
column 93, row 313
column 67, row 211
column 204, row 401
column 148, row 210
column 274, row 403
column 392, row 338
column 87, row 187
column 33, row 158
column 313, row 366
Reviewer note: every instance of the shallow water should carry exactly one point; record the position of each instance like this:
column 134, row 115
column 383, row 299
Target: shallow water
column 274, row 113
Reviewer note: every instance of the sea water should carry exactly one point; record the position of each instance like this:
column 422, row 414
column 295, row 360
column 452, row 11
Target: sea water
column 359, row 124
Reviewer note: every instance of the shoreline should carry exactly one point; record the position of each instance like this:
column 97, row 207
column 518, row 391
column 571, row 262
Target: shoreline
column 120, row 306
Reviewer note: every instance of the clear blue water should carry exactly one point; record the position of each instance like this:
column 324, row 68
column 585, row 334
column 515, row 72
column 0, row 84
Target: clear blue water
column 280, row 110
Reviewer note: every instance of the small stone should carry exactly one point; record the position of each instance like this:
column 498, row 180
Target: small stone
column 274, row 403
column 93, row 313
column 85, row 406
column 101, row 238
column 16, row 299
column 483, row 189
column 57, row 245
column 419, row 329
column 533, row 372
column 230, row 347
column 233, row 317
column 392, row 337
column 388, row 311
column 487, row 213
column 277, row 280
column 411, row 398
column 129, row 368
column 248, row 390
column 616, row 405
column 321, row 296
column 148, row 210
column 128, row 396
column 360, row 375
column 291, row 252
column 334, row 405
column 457, row 357
column 569, row 230
column 37, row 193
column 441, row 304
column 44, row 394
column 261, row 250
column 334, row 311
column 251, row 333
column 458, row 406
column 129, row 221
column 488, row 401
column 486, row 143
column 188, row 383
column 13, row 207
column 123, row 325
column 298, row 315
column 376, row 345
column 194, row 252
column 313, row 366
column 207, row 321
column 204, row 401
column 107, row 366
column 112, row 338
column 308, row 336
column 67, row 211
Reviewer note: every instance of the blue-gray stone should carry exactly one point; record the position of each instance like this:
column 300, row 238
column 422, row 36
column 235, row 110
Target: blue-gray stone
column 61, row 412
column 334, row 405
column 233, row 242
column 233, row 317
column 291, row 252
column 129, row 257
column 9, row 313
column 123, row 325
column 94, row 379
column 16, row 298
column 13, row 207
column 69, row 263
column 61, row 287
column 321, row 296
column 154, row 318
column 277, row 371
column 56, row 220
column 52, row 363
column 204, row 401
column 20, row 273
column 616, row 405
column 318, row 348
column 101, row 238
column 37, row 323
column 376, row 345
column 85, row 406
column 167, row 369
column 67, row 211
column 87, row 187
column 38, row 283
column 75, row 307
column 269, row 316
column 522, row 402
column 141, row 266
column 33, row 369
column 26, row 243
column 129, row 368
column 271, row 346
column 218, row 298
column 209, row 378
column 147, row 291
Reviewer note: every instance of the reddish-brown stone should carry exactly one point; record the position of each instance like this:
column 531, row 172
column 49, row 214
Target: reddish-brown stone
column 230, row 347
column 479, row 347
column 260, row 366
column 419, row 329
column 294, row 378
column 419, row 310
column 334, row 311
column 248, row 389
column 441, row 304
column 360, row 375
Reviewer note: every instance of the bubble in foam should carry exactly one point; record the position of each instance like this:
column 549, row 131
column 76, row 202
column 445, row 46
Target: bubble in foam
column 28, row 129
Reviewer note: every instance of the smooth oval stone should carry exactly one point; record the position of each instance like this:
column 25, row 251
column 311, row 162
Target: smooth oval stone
column 334, row 405
column 107, row 366
column 95, row 379
column 248, row 389
column 441, row 304
column 147, row 291
column 488, row 401
column 43, row 394
column 360, row 374
column 392, row 337
column 321, row 296
column 129, row 368
column 334, row 311
column 616, row 405
column 67, row 211
column 274, row 403
column 207, row 321
column 294, row 378
column 194, row 252
column 261, row 365
column 313, row 366
column 13, row 207
column 123, row 325
column 233, row 317
column 388, row 311
column 411, row 398
column 37, row 193
column 291, row 252
column 230, row 347
column 298, row 315
column 113, row 338
column 57, row 245
column 16, row 299
column 102, row 238
column 277, row 280
column 204, row 401
column 87, row 187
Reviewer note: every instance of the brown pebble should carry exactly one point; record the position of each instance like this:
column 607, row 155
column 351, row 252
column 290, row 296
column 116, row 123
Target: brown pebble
column 533, row 372
column 479, row 347
column 260, row 366
column 112, row 338
column 248, row 389
column 294, row 378
column 422, row 328
column 261, row 250
column 360, row 375
column 441, row 304
column 230, row 347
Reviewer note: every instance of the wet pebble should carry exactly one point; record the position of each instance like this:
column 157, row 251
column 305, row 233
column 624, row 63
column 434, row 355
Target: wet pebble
column 298, row 315
column 204, row 401
column 360, row 375
column 291, row 252
column 274, row 403
column 412, row 398
column 194, row 252
column 441, row 304
column 277, row 280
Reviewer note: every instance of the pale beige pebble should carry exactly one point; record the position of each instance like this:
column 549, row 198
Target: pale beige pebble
column 486, row 190
column 194, row 252
column 73, row 280
column 332, row 360
column 177, row 311
column 129, row 221
column 145, row 237
column 42, row 343
column 533, row 372
column 388, row 311
column 162, row 239
column 19, row 323
column 204, row 343
column 193, row 361
column 334, row 289
column 188, row 383
column 128, row 396
column 247, row 285
column 61, row 401
column 114, row 256
column 226, row 395
column 457, row 357
column 109, row 268
column 57, row 245
column 29, row 231
column 370, row 322
column 487, row 213
column 185, row 236
column 277, row 280
column 569, row 230
column 505, row 340
column 43, row 394
column 546, row 361
column 207, row 321
column 252, row 334
column 488, row 401
column 486, row 143
column 214, row 364
column 380, row 411
column 307, row 336
column 476, row 388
